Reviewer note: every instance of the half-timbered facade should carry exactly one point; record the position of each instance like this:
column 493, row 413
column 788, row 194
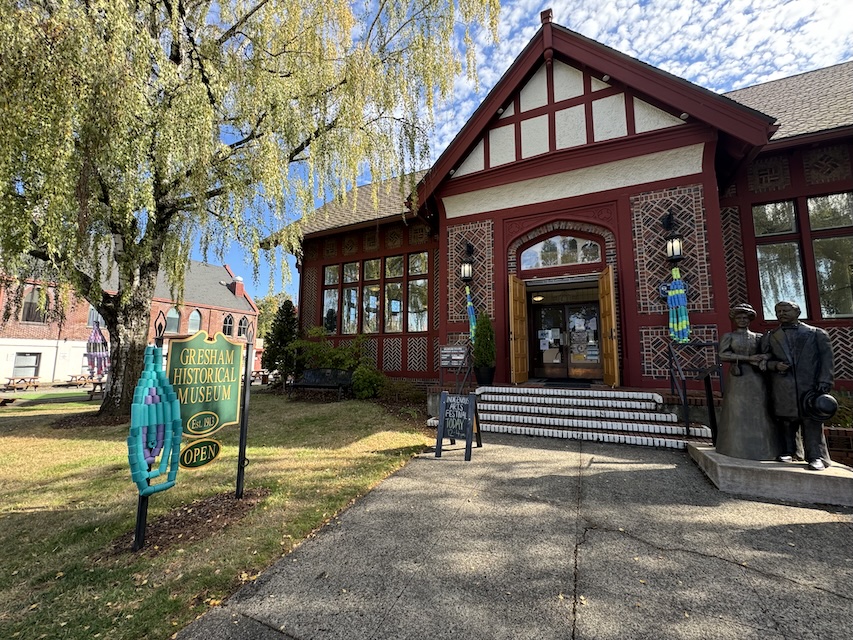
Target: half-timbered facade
column 564, row 185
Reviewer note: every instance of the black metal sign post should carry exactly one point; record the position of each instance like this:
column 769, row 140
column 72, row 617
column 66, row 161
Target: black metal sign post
column 242, row 461
column 142, row 501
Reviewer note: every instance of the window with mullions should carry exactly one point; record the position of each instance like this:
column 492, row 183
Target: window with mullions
column 394, row 295
column 31, row 311
column 822, row 240
column 558, row 251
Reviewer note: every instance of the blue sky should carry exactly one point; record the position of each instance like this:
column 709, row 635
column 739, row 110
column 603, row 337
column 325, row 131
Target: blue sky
column 719, row 44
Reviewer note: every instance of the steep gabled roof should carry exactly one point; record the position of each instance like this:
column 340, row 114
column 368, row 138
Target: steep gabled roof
column 741, row 127
column 358, row 207
column 807, row 103
column 205, row 284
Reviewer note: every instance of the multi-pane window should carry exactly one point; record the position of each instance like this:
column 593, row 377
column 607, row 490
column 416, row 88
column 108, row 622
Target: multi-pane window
column 228, row 325
column 817, row 232
column 31, row 311
column 173, row 320
column 558, row 251
column 242, row 327
column 26, row 365
column 194, row 324
column 387, row 295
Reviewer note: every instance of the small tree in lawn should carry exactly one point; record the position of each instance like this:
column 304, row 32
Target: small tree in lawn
column 278, row 354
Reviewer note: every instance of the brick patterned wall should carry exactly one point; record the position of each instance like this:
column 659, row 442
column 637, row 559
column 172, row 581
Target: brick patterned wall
column 308, row 305
column 827, row 164
column 371, row 350
column 647, row 212
column 330, row 248
column 416, row 354
column 769, row 174
column 481, row 235
column 841, row 339
column 392, row 354
column 733, row 249
column 654, row 342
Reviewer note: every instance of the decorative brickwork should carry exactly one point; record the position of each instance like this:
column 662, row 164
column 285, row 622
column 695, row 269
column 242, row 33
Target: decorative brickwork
column 688, row 208
column 371, row 350
column 392, row 354
column 371, row 240
column 416, row 354
column 733, row 249
column 418, row 233
column 457, row 338
column 436, row 291
column 311, row 251
column 308, row 308
column 481, row 236
column 350, row 245
column 436, row 354
column 827, row 164
column 769, row 174
column 394, row 238
column 330, row 248
column 842, row 346
column 654, row 346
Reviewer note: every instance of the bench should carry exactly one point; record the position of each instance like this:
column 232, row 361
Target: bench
column 339, row 379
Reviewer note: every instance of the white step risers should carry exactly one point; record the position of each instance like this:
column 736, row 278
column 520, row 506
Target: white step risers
column 624, row 417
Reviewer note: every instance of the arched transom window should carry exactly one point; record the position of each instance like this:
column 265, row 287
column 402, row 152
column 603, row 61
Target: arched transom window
column 558, row 251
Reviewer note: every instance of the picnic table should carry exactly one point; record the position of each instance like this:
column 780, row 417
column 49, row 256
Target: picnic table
column 260, row 375
column 79, row 380
column 97, row 388
column 21, row 383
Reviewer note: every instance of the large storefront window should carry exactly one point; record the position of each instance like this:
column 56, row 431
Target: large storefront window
column 816, row 233
column 394, row 295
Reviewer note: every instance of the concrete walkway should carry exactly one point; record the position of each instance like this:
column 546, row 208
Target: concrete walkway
column 546, row 539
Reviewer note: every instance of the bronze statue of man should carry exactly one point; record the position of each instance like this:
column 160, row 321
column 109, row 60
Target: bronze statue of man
column 801, row 370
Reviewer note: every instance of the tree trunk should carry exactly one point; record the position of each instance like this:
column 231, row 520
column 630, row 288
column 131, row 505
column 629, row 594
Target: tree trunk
column 128, row 323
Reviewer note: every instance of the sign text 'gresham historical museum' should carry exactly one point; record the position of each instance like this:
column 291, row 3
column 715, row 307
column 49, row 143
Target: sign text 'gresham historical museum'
column 206, row 377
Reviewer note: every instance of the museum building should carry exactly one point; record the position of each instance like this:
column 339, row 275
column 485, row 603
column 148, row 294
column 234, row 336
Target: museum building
column 564, row 191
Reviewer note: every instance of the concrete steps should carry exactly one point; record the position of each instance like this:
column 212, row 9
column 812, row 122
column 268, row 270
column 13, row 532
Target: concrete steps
column 598, row 415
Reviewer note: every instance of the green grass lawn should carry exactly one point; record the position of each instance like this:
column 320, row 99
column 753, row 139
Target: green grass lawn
column 66, row 497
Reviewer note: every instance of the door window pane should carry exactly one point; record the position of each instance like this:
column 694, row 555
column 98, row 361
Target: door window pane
column 372, row 269
column 330, row 310
column 370, row 302
column 776, row 217
column 331, row 274
column 418, row 264
column 418, row 296
column 827, row 212
column 834, row 266
column 781, row 276
column 351, row 272
column 349, row 311
column 393, row 307
column 394, row 267
column 560, row 250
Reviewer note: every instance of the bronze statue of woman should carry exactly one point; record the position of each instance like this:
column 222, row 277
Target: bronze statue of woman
column 746, row 428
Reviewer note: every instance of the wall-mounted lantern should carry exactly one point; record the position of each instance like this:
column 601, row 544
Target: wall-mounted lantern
column 466, row 269
column 674, row 241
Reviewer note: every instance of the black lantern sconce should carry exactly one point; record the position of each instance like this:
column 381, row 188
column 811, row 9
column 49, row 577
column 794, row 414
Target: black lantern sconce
column 674, row 241
column 466, row 269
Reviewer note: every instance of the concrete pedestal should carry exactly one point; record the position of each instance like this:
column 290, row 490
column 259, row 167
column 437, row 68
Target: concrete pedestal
column 791, row 481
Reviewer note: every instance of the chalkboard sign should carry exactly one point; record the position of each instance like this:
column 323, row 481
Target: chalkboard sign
column 457, row 419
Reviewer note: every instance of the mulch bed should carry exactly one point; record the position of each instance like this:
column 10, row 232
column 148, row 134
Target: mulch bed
column 189, row 523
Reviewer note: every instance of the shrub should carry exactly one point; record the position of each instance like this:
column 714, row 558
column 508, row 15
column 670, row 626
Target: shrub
column 367, row 382
column 317, row 351
column 484, row 342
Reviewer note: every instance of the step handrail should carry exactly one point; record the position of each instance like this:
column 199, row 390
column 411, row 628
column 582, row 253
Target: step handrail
column 678, row 380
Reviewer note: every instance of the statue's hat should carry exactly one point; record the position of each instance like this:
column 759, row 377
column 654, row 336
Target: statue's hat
column 819, row 405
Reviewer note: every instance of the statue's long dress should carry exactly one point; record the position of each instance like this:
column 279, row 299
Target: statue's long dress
column 746, row 428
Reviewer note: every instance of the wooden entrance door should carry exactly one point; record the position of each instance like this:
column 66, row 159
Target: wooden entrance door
column 519, row 363
column 607, row 309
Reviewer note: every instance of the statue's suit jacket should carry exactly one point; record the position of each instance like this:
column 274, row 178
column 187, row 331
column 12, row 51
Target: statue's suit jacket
column 810, row 357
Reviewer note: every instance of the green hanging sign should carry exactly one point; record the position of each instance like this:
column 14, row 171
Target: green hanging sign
column 205, row 373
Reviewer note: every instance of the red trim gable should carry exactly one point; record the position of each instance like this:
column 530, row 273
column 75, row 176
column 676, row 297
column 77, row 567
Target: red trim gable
column 741, row 128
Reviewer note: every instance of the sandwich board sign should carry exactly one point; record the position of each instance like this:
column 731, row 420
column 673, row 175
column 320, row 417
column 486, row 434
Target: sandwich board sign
column 457, row 420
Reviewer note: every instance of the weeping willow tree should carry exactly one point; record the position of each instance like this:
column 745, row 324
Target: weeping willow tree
column 133, row 131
